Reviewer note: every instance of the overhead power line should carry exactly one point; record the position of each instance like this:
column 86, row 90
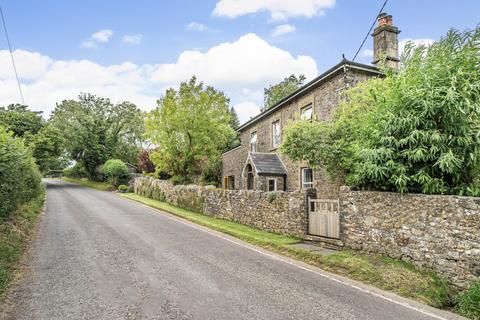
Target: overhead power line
column 11, row 55
column 370, row 30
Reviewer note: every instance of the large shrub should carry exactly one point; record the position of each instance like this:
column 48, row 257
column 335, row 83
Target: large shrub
column 417, row 130
column 115, row 171
column 20, row 180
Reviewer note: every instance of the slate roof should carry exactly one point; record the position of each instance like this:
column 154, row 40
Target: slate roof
column 267, row 163
column 339, row 67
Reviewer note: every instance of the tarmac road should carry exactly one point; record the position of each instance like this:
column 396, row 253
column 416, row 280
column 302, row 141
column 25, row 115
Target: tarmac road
column 98, row 256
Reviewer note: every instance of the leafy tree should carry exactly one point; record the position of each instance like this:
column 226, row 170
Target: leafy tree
column 418, row 130
column 47, row 148
column 21, row 121
column 20, row 180
column 116, row 171
column 274, row 93
column 234, row 122
column 190, row 127
column 96, row 130
column 145, row 164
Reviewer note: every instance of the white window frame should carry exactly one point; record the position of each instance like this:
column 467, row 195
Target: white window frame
column 274, row 184
column 303, row 113
column 253, row 143
column 306, row 185
column 276, row 138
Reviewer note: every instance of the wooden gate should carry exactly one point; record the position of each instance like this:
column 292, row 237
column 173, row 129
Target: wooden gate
column 324, row 218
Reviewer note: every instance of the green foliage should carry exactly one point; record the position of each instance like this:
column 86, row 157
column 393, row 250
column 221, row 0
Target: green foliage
column 190, row 128
column 116, row 171
column 20, row 180
column 123, row 188
column 275, row 93
column 47, row 148
column 417, row 130
column 96, row 130
column 271, row 196
column 77, row 171
column 468, row 302
column 21, row 121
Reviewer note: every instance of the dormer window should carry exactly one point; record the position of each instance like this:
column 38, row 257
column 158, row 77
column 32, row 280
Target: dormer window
column 253, row 142
column 307, row 112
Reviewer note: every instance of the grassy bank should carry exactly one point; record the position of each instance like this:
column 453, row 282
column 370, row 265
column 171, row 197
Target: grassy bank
column 102, row 186
column 14, row 236
column 385, row 273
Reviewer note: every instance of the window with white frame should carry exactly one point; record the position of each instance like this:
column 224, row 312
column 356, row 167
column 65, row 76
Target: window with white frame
column 276, row 134
column 307, row 112
column 307, row 178
column 272, row 184
column 253, row 142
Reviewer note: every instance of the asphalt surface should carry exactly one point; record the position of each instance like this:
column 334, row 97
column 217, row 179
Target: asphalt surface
column 98, row 256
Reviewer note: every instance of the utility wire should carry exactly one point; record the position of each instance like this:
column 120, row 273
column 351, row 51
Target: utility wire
column 11, row 55
column 368, row 33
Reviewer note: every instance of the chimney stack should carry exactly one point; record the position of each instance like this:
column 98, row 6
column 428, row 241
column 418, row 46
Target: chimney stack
column 385, row 42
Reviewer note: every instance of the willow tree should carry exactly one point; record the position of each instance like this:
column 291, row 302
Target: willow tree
column 190, row 127
column 417, row 130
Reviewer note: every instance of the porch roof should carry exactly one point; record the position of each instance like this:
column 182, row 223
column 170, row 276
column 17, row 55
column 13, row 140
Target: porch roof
column 267, row 163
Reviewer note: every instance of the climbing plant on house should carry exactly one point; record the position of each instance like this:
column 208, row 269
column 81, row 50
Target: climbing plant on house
column 416, row 130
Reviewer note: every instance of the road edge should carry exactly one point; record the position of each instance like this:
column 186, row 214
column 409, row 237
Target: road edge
column 386, row 295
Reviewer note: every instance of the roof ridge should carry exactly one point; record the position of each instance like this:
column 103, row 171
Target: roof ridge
column 335, row 68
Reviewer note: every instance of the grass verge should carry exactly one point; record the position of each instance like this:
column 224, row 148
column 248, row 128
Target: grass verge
column 101, row 186
column 468, row 302
column 401, row 277
column 14, row 235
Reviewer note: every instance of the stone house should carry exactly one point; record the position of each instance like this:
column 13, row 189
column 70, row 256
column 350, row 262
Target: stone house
column 256, row 163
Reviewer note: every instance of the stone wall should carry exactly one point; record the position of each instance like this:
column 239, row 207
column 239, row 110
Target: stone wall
column 439, row 232
column 281, row 212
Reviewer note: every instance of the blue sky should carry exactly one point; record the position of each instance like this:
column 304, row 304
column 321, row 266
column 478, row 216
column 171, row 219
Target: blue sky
column 133, row 50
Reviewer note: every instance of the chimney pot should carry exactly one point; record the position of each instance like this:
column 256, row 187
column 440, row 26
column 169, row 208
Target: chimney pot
column 385, row 41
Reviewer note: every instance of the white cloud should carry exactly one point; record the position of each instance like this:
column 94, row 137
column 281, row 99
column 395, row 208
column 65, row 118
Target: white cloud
column 246, row 110
column 283, row 29
column 249, row 60
column 46, row 82
column 101, row 36
column 278, row 9
column 195, row 26
column 366, row 53
column 240, row 68
column 132, row 39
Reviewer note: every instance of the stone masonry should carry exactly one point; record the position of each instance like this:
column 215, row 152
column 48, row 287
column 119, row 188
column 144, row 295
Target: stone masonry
column 279, row 212
column 439, row 232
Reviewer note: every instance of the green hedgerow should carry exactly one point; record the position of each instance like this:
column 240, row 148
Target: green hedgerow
column 20, row 180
